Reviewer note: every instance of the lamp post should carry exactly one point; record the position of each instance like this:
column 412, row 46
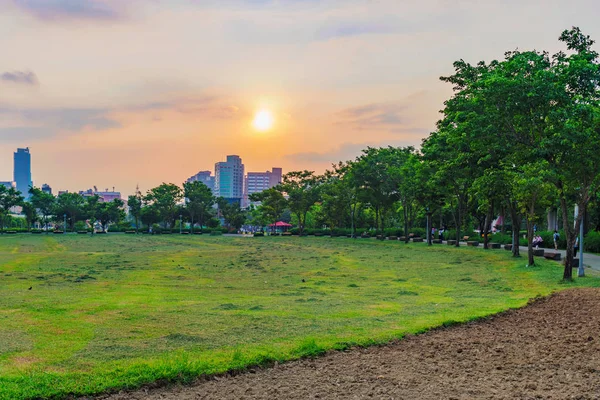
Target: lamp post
column 180, row 223
column 580, row 269
column 65, row 229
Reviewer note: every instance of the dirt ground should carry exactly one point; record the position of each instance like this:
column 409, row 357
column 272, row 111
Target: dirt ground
column 548, row 350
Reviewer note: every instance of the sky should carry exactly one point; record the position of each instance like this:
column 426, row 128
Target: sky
column 119, row 93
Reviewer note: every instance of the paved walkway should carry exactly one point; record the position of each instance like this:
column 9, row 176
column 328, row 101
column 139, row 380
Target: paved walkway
column 589, row 260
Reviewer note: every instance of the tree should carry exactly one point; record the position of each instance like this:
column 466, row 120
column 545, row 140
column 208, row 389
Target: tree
column 149, row 215
column 92, row 209
column 199, row 202
column 233, row 215
column 9, row 198
column 72, row 205
column 43, row 202
column 30, row 214
column 303, row 191
column 134, row 202
column 165, row 198
column 110, row 212
column 272, row 205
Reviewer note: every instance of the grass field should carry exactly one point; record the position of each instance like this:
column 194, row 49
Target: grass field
column 119, row 311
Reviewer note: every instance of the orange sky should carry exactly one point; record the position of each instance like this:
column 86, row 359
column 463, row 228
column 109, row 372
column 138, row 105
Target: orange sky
column 114, row 93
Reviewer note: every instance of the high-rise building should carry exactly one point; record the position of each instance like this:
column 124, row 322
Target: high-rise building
column 7, row 184
column 204, row 177
column 256, row 182
column 22, row 171
column 229, row 179
column 46, row 188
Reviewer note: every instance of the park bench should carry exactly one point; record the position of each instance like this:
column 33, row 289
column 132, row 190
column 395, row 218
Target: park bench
column 392, row 237
column 538, row 252
column 494, row 245
column 508, row 247
column 551, row 255
column 437, row 241
column 130, row 232
column 11, row 232
column 82, row 232
column 58, row 232
column 417, row 240
column 473, row 243
column 451, row 242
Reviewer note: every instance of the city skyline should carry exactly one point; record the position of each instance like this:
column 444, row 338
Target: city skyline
column 140, row 92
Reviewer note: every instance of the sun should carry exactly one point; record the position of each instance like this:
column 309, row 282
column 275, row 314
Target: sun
column 263, row 120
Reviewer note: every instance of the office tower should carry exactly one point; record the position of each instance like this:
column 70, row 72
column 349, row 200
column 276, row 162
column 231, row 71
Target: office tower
column 256, row 182
column 204, row 177
column 22, row 171
column 46, row 188
column 229, row 179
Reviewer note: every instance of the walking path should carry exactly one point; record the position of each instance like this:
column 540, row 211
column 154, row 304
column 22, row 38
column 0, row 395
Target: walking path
column 589, row 259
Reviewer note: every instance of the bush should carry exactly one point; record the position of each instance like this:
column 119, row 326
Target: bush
column 591, row 242
column 259, row 234
column 216, row 232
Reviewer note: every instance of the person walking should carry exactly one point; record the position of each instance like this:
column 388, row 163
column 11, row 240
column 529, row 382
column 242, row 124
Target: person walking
column 556, row 236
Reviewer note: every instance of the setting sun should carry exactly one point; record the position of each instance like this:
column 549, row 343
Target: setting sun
column 263, row 120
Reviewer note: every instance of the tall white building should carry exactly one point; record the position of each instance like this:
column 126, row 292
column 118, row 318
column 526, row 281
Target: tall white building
column 229, row 179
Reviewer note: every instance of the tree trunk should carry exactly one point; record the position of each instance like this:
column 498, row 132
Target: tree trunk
column 516, row 224
column 486, row 228
column 429, row 229
column 570, row 237
column 458, row 223
column 405, row 211
column 530, row 259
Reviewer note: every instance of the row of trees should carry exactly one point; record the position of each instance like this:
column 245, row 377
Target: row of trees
column 45, row 208
column 518, row 136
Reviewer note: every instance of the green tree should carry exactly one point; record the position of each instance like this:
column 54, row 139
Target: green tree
column 272, row 205
column 199, row 202
column 165, row 198
column 134, row 202
column 233, row 215
column 73, row 206
column 43, row 202
column 30, row 214
column 303, row 191
column 110, row 212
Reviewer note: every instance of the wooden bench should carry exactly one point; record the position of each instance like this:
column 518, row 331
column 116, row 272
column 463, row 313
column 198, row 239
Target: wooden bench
column 392, row 237
column 451, row 242
column 417, row 240
column 508, row 247
column 494, row 245
column 437, row 241
column 551, row 255
column 473, row 243
column 538, row 252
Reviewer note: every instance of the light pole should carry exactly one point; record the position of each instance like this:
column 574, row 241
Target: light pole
column 180, row 223
column 580, row 270
column 65, row 229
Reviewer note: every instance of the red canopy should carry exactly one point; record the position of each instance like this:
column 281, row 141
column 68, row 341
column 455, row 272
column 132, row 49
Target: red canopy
column 280, row 224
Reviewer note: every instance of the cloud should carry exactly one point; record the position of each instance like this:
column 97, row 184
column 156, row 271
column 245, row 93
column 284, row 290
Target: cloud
column 38, row 123
column 346, row 151
column 70, row 9
column 20, row 77
column 372, row 116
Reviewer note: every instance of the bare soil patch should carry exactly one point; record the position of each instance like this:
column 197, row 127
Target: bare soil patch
column 548, row 350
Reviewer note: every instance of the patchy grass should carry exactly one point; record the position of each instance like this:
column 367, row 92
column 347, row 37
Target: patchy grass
column 118, row 311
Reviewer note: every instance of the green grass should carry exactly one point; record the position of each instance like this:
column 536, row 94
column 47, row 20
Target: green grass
column 118, row 311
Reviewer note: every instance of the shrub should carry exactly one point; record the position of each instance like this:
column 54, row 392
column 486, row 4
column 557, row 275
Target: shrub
column 591, row 242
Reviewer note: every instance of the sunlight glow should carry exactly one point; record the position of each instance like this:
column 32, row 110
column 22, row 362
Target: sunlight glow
column 263, row 120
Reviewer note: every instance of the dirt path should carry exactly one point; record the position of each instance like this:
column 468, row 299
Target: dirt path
column 549, row 350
